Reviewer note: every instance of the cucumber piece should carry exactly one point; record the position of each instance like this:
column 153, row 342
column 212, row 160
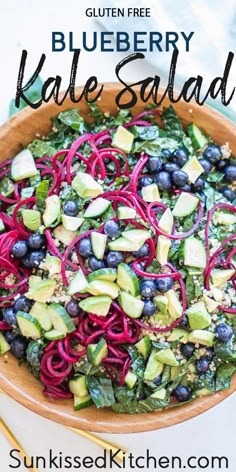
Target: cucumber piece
column 136, row 235
column 124, row 245
column 28, row 325
column 52, row 210
column 150, row 193
column 54, row 334
column 41, row 290
column 2, row 227
column 98, row 305
column 23, row 166
column 154, row 368
column 52, row 264
column 123, row 139
column 144, row 346
column 4, row 346
column 72, row 223
column 185, row 205
column 78, row 386
column 97, row 208
column 98, row 241
column 103, row 287
column 125, row 212
column 194, row 253
column 31, row 219
column 132, row 306
column 40, row 311
column 97, row 352
column 166, row 221
column 103, row 274
column 193, row 168
column 197, row 136
column 166, row 356
column 60, row 319
column 178, row 334
column 86, row 186
column 130, row 379
column 82, row 402
column 162, row 249
column 78, row 284
column 64, row 235
column 127, row 279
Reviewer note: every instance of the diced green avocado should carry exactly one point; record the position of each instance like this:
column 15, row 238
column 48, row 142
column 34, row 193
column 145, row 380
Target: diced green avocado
column 202, row 337
column 78, row 284
column 211, row 304
column 97, row 208
column 150, row 193
column 103, row 274
column 127, row 279
column 40, row 311
column 161, row 302
column 130, row 379
column 222, row 218
column 166, row 356
column 163, row 320
column 98, row 241
column 132, row 306
column 64, row 235
column 175, row 308
column 42, row 291
column 198, row 316
column 2, row 227
column 174, row 372
column 98, row 305
column 23, row 166
column 197, row 136
column 82, row 402
column 217, row 293
column 86, row 186
column 60, row 319
column 31, row 219
column 125, row 212
column 123, row 139
column 185, row 205
column 4, row 346
column 154, row 368
column 54, row 335
column 124, row 245
column 33, row 280
column 78, row 386
column 29, row 326
column 159, row 394
column 52, row 211
column 138, row 236
column 219, row 277
column 203, row 392
column 193, row 168
column 72, row 223
column 52, row 264
column 97, row 352
column 194, row 253
column 103, row 287
column 162, row 249
column 178, row 334
column 144, row 346
column 166, row 221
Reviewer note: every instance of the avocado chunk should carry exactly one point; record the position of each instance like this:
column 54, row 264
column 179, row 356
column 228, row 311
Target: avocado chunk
column 150, row 193
column 103, row 274
column 130, row 379
column 161, row 302
column 98, row 305
column 185, row 205
column 219, row 277
column 162, row 249
column 52, row 211
column 166, row 356
column 103, row 287
column 97, row 208
column 136, row 235
column 202, row 337
column 4, row 346
column 125, row 212
column 23, row 166
column 194, row 253
column 159, row 394
column 211, row 304
column 41, row 291
column 198, row 316
column 86, row 186
column 124, row 245
column 98, row 241
column 197, row 136
column 78, row 284
column 123, row 139
column 166, row 221
column 175, row 308
column 72, row 223
column 132, row 306
column 222, row 218
column 178, row 334
column 31, row 219
column 144, row 346
column 64, row 235
column 154, row 366
column 52, row 264
column 193, row 168
column 40, row 311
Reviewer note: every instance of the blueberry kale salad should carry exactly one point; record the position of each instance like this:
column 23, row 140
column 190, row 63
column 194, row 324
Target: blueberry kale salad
column 118, row 260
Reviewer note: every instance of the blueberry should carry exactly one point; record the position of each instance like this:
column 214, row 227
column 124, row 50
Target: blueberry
column 72, row 308
column 148, row 288
column 18, row 347
column 157, row 381
column 230, row 173
column 166, row 153
column 180, row 156
column 170, row 167
column 184, row 322
column 9, row 316
column 182, row 393
column 95, row 263
column 23, row 304
column 198, row 185
column 9, row 335
column 149, row 308
column 206, row 165
column 114, row 258
column 186, row 188
column 146, row 180
column 179, row 178
column 36, row 241
column 163, row 181
column 70, row 208
column 187, row 349
column 165, row 284
column 228, row 193
column 142, row 252
column 154, row 164
column 210, row 353
column 223, row 332
column 36, row 257
column 19, row 249
column 220, row 165
column 212, row 153
column 202, row 365
column 112, row 229
column 26, row 261
column 85, row 247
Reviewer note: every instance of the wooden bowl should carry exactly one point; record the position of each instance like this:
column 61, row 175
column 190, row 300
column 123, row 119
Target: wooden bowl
column 17, row 381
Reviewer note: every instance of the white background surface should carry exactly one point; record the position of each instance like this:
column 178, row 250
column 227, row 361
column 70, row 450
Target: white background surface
column 28, row 24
